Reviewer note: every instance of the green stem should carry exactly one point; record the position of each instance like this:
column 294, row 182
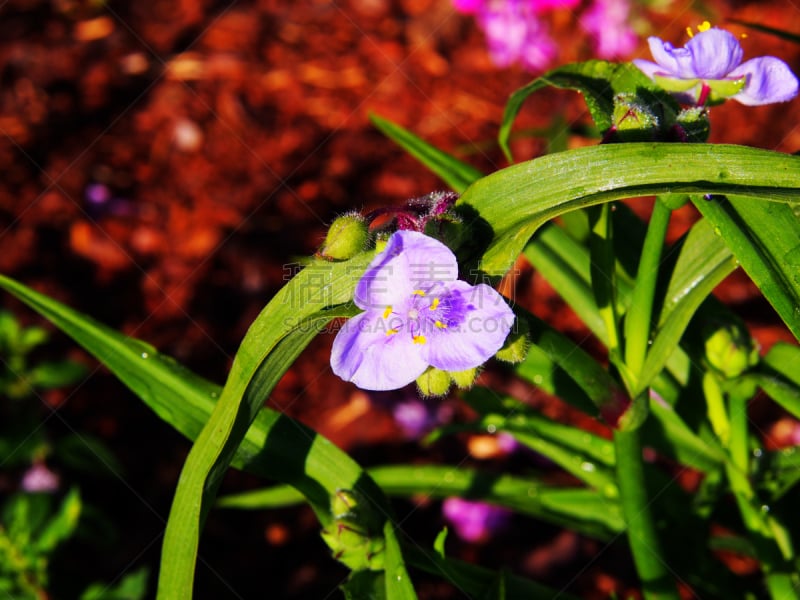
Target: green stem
column 603, row 269
column 639, row 316
column 771, row 539
column 651, row 565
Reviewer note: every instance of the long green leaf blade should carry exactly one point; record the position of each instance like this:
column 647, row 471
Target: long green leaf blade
column 455, row 173
column 515, row 201
column 765, row 239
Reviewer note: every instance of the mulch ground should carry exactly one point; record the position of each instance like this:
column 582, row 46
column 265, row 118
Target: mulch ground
column 166, row 163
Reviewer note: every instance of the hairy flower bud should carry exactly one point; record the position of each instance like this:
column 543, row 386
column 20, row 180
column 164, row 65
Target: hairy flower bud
column 433, row 383
column 517, row 344
column 464, row 379
column 347, row 236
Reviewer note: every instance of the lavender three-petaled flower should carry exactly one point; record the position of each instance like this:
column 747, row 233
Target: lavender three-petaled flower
column 417, row 314
column 710, row 67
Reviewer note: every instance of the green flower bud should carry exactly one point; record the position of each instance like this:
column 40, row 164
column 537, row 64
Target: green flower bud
column 464, row 379
column 694, row 123
column 347, row 236
column 353, row 535
column 517, row 344
column 730, row 350
column 633, row 120
column 433, row 383
column 354, row 546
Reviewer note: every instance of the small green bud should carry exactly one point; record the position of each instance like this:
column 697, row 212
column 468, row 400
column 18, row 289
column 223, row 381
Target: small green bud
column 354, row 535
column 694, row 123
column 354, row 546
column 433, row 382
column 517, row 344
column 464, row 379
column 347, row 236
column 730, row 350
column 633, row 119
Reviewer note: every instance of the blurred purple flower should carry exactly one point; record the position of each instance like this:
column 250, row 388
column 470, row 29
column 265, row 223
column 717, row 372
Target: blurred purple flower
column 417, row 314
column 710, row 66
column 474, row 521
column 514, row 31
column 416, row 417
column 38, row 478
column 607, row 22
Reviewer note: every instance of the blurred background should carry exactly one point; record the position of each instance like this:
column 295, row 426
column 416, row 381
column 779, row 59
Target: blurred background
column 166, row 163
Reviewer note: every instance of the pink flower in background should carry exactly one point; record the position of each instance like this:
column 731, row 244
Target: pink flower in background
column 468, row 6
column 474, row 521
column 514, row 33
column 607, row 22
column 545, row 5
column 38, row 478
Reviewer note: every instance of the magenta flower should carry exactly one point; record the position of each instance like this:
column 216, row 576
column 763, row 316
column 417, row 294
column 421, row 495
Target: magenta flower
column 474, row 521
column 417, row 314
column 607, row 22
column 710, row 66
column 514, row 33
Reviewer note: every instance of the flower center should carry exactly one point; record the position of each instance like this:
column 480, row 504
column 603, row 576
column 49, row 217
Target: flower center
column 424, row 313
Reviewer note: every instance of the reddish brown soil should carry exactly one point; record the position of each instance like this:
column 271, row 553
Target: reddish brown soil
column 229, row 135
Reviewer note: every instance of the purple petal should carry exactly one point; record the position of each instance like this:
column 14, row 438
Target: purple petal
column 472, row 520
column 364, row 354
column 650, row 69
column 715, row 53
column 673, row 61
column 409, row 260
column 769, row 79
column 481, row 332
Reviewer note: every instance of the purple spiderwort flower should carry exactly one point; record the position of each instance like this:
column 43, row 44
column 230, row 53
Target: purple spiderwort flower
column 607, row 21
column 710, row 66
column 474, row 521
column 417, row 314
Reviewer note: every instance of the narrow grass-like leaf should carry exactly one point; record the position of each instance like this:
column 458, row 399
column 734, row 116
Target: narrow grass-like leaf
column 273, row 341
column 455, row 173
column 580, row 509
column 398, row 583
column 275, row 446
column 514, row 202
column 765, row 239
column 703, row 263
column 578, row 452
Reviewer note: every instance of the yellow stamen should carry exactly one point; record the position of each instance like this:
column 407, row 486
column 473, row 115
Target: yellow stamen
column 391, row 332
column 435, row 304
column 419, row 339
column 387, row 312
column 704, row 26
column 419, row 293
column 440, row 325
